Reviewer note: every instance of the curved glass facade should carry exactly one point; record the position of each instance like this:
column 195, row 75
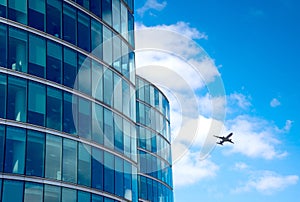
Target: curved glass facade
column 154, row 143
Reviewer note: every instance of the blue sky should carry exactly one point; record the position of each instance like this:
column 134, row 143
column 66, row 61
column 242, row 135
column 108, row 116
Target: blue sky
column 254, row 45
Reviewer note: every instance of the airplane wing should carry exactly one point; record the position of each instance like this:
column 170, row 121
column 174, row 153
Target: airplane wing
column 228, row 136
column 217, row 136
column 221, row 142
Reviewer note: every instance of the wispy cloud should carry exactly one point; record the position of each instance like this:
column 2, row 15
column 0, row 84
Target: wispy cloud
column 151, row 5
column 275, row 103
column 267, row 182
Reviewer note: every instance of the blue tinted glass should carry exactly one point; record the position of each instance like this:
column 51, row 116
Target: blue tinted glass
column 37, row 56
column 53, row 157
column 127, row 180
column 34, row 159
column 84, row 31
column 54, row 62
column 15, row 150
column 107, row 11
column 119, row 177
column 95, row 7
column 36, row 103
column 36, row 14
column 33, row 192
column 109, row 176
column 83, row 196
column 84, row 165
column 96, row 38
column 69, row 113
column 12, row 191
column 3, row 86
column 97, row 198
column 70, row 67
column 17, row 11
column 97, row 80
column 54, row 16
column 118, row 124
column 97, row 168
column 68, row 195
column 69, row 24
column 84, row 74
column 2, row 136
column 131, row 29
column 108, row 128
column 149, row 189
column 3, row 44
column 97, row 123
column 69, row 161
column 116, row 17
column 54, row 108
column 84, row 118
column 108, row 87
column 3, row 6
column 52, row 193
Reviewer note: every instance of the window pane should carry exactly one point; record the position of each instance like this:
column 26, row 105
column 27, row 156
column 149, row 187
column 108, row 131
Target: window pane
column 54, row 8
column 127, row 180
column 107, row 45
column 108, row 86
column 37, row 56
column 69, row 195
column 84, row 165
column 124, row 21
column 36, row 14
column 106, row 11
column 3, row 44
column 84, row 196
column 96, row 7
column 126, row 98
column 83, row 31
column 97, row 168
column 69, row 161
column 119, row 177
column 116, row 10
column 96, row 40
column 96, row 198
column 54, row 62
column 53, row 157
column 109, row 176
column 84, row 3
column 2, row 95
column 18, row 11
column 130, row 29
column 17, row 56
column 117, row 92
column 33, row 192
column 69, row 24
column 15, row 150
column 118, row 124
column 84, row 118
column 117, row 53
column 3, row 5
column 34, row 159
column 84, row 74
column 97, row 123
column 97, row 80
column 16, row 99
column 69, row 114
column 12, row 191
column 108, row 129
column 52, row 193
column 36, row 103
column 2, row 136
column 70, row 67
column 54, row 108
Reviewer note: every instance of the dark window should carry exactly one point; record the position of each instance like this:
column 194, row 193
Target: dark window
column 54, row 108
column 2, row 139
column 97, row 168
column 97, row 123
column 109, row 176
column 97, row 198
column 3, row 44
column 3, row 85
column 37, row 56
column 70, row 68
column 84, row 3
column 36, row 103
column 54, row 14
column 96, row 38
column 54, row 62
column 84, row 31
column 119, row 177
column 17, row 11
column 107, row 11
column 69, row 113
column 69, row 24
column 36, row 14
column 3, row 6
column 96, row 7
column 83, row 196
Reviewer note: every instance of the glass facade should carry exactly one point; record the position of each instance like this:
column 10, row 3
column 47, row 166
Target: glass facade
column 72, row 127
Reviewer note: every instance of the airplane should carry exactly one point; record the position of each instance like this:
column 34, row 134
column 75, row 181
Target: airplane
column 224, row 139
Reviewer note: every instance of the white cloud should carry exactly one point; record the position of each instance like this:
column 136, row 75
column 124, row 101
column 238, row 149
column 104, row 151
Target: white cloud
column 151, row 5
column 275, row 103
column 241, row 166
column 190, row 170
column 267, row 182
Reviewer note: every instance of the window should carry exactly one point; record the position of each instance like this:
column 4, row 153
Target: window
column 52, row 193
column 119, row 177
column 108, row 129
column 97, row 123
column 84, row 118
column 117, row 92
column 84, row 3
column 3, row 5
column 70, row 19
column 36, row 103
column 97, row 80
column 53, row 157
column 84, row 31
column 17, row 54
column 69, row 114
column 127, row 180
column 3, row 43
column 107, row 11
column 70, row 67
column 84, row 165
column 34, row 159
column 125, row 60
column 149, row 189
column 118, row 124
column 124, row 21
column 54, row 108
column 107, row 45
column 37, row 56
column 33, row 192
column 96, row 7
column 127, row 138
column 2, row 95
column 54, row 62
column 15, row 150
column 16, row 99
column 126, row 98
column 109, row 176
column 2, row 139
column 68, row 195
column 84, row 74
column 96, row 38
column 108, row 86
column 17, row 11
column 69, row 161
column 97, row 168
column 116, row 15
column 36, row 14
column 12, row 191
column 54, row 15
column 130, row 29
column 83, row 196
column 97, row 198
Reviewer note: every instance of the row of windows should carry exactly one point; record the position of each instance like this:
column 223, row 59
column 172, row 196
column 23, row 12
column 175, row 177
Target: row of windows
column 19, row 191
column 153, row 119
column 154, row 191
column 60, row 19
column 155, row 167
column 35, row 55
column 38, row 104
column 64, row 159
column 151, row 95
column 154, row 143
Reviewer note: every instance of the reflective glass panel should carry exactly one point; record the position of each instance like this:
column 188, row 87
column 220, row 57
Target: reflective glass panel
column 117, row 93
column 96, row 40
column 69, row 113
column 107, row 11
column 15, row 150
column 97, row 123
column 83, row 196
column 84, row 164
column 54, row 62
column 35, row 160
column 69, row 161
column 36, row 103
column 109, row 176
column 97, row 198
column 107, row 45
column 53, row 157
column 84, row 31
column 12, row 191
column 96, row 7
column 17, row 54
column 119, row 177
column 69, row 23
column 97, row 80
column 54, row 108
column 2, row 95
column 97, row 168
column 54, row 15
column 108, row 129
column 84, row 118
column 3, row 43
column 3, row 5
column 84, row 74
column 33, row 192
column 108, row 86
column 116, row 15
column 36, row 14
column 17, row 11
column 118, row 124
column 70, row 67
column 68, row 195
column 2, row 136
column 37, row 56
column 52, row 193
